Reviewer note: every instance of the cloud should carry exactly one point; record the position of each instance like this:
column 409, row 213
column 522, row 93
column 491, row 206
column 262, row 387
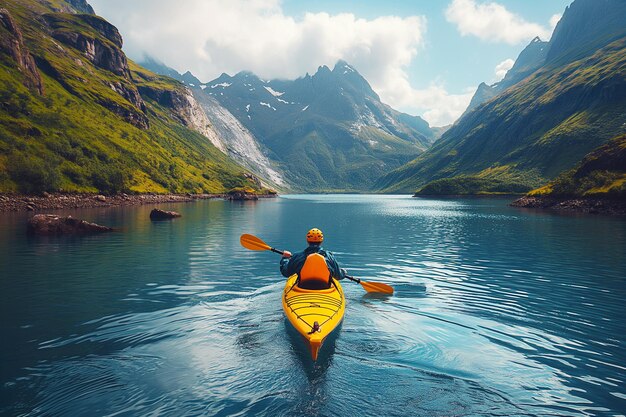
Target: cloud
column 502, row 68
column 434, row 103
column 554, row 20
column 493, row 22
column 209, row 37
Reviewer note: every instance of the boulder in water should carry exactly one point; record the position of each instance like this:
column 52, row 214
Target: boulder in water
column 157, row 214
column 51, row 224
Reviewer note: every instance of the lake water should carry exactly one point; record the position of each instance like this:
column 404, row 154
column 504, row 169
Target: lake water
column 497, row 311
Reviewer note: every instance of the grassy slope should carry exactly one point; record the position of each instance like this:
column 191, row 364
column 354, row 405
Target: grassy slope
column 327, row 157
column 530, row 133
column 65, row 140
column 601, row 174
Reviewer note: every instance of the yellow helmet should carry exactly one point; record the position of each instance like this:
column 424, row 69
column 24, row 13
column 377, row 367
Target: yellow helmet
column 315, row 236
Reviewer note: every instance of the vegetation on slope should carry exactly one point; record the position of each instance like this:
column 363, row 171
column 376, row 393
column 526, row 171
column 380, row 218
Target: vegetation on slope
column 601, row 174
column 91, row 130
column 539, row 128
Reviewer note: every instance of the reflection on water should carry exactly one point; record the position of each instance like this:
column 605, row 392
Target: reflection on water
column 497, row 311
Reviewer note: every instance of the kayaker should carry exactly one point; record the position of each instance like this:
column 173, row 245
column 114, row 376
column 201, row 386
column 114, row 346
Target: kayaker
column 293, row 263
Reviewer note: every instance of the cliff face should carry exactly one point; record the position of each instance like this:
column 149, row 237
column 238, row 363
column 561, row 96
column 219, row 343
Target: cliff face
column 237, row 141
column 12, row 43
column 240, row 143
column 104, row 51
column 183, row 105
column 100, row 44
column 193, row 116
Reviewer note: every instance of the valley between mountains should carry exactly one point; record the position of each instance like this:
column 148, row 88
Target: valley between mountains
column 78, row 116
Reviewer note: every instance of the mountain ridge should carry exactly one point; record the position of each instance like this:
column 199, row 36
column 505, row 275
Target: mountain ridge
column 533, row 130
column 326, row 131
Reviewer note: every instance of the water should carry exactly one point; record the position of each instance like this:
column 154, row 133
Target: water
column 497, row 311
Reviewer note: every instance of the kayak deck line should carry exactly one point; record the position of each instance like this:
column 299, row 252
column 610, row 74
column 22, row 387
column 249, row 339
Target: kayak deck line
column 312, row 304
column 313, row 313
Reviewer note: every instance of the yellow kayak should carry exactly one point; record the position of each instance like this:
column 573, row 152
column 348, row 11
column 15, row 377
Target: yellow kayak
column 314, row 313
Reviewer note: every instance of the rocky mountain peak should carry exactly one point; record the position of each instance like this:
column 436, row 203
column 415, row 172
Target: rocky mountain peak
column 189, row 78
column 586, row 26
column 323, row 70
column 527, row 62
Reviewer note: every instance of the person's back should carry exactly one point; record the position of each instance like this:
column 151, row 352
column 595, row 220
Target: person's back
column 307, row 264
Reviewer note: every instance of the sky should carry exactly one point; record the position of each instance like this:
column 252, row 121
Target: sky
column 423, row 57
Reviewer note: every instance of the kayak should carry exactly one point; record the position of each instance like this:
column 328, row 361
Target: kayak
column 314, row 313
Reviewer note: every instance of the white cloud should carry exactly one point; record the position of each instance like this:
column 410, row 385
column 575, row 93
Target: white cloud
column 209, row 37
column 448, row 108
column 493, row 22
column 434, row 103
column 554, row 20
column 502, row 68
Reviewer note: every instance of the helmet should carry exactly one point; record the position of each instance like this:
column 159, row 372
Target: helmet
column 315, row 236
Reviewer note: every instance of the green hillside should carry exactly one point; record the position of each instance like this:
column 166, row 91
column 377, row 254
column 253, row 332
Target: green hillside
column 542, row 124
column 531, row 132
column 601, row 174
column 76, row 115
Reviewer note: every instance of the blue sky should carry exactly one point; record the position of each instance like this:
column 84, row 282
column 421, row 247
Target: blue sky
column 460, row 61
column 424, row 57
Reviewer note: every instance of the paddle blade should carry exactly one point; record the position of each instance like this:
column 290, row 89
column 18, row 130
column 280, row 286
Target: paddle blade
column 377, row 287
column 253, row 243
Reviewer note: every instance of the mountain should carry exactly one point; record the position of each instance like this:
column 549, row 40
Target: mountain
column 235, row 139
column 586, row 26
column 528, row 61
column 540, row 126
column 77, row 115
column 328, row 131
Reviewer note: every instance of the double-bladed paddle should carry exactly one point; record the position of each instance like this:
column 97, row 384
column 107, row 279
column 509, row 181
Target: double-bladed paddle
column 254, row 243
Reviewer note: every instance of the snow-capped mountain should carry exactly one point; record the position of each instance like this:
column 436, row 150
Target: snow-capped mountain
column 328, row 131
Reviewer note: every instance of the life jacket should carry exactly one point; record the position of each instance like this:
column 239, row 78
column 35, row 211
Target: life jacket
column 314, row 274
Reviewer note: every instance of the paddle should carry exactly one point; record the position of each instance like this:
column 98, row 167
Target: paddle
column 372, row 286
column 254, row 243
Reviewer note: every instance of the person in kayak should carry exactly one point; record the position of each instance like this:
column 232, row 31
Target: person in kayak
column 314, row 265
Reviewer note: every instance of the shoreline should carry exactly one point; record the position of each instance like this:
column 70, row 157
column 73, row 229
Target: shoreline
column 573, row 205
column 63, row 201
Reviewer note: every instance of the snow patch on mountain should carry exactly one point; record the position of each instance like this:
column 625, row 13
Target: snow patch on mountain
column 273, row 92
column 223, row 85
column 267, row 105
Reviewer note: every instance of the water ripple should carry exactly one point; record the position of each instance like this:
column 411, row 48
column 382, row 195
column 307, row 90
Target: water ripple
column 496, row 313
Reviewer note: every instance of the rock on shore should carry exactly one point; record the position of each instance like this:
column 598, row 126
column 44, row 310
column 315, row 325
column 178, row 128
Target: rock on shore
column 242, row 196
column 55, row 201
column 574, row 205
column 51, row 224
column 13, row 202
